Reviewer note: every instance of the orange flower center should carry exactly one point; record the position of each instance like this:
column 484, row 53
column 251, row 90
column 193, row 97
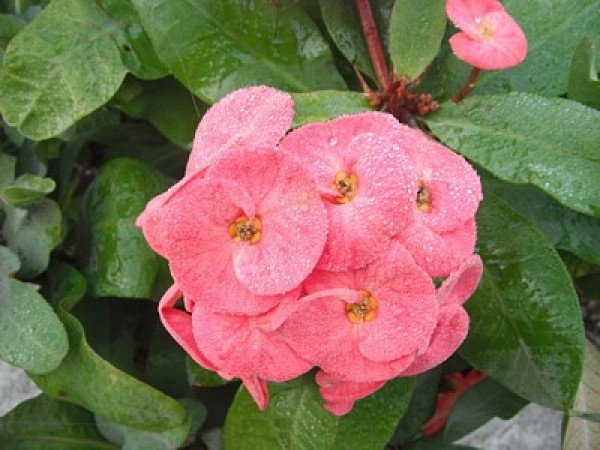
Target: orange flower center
column 244, row 229
column 486, row 28
column 363, row 310
column 423, row 198
column 346, row 185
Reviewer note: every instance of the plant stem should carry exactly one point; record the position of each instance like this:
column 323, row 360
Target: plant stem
column 371, row 33
column 468, row 87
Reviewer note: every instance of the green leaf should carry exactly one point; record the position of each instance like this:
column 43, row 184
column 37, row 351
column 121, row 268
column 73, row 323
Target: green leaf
column 201, row 377
column 120, row 263
column 524, row 138
column 9, row 262
column 26, row 190
column 416, row 31
column 526, row 327
column 129, row 438
column 478, row 405
column 9, row 27
column 296, row 419
column 216, row 47
column 86, row 379
column 32, row 234
column 43, row 423
column 566, row 229
column 580, row 433
column 584, row 85
column 7, row 169
column 326, row 105
column 166, row 365
column 166, row 104
column 31, row 336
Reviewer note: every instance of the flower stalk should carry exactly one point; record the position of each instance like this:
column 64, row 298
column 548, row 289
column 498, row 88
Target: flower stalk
column 367, row 20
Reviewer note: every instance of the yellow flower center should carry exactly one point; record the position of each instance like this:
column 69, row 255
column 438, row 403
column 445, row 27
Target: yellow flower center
column 486, row 28
column 346, row 185
column 423, row 198
column 363, row 310
column 245, row 229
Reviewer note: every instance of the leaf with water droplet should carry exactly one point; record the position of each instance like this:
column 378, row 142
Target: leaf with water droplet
column 584, row 85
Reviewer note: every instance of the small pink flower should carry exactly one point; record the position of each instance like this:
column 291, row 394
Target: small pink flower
column 340, row 395
column 445, row 200
column 490, row 37
column 365, row 179
column 453, row 320
column 365, row 325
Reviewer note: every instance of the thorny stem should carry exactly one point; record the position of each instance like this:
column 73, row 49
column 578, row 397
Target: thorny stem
column 468, row 87
column 371, row 33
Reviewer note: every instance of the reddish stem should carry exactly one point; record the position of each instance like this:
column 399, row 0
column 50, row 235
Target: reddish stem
column 371, row 32
column 468, row 87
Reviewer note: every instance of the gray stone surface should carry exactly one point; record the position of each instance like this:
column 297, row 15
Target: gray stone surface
column 534, row 428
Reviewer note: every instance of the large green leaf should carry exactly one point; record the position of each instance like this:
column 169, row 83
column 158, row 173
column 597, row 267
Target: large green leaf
column 215, row 47
column 69, row 61
column 553, row 30
column 120, row 263
column 325, row 105
column 526, row 327
column 584, row 85
column 580, row 433
column 416, row 31
column 43, row 423
column 86, row 379
column 566, row 229
column 524, row 138
column 295, row 419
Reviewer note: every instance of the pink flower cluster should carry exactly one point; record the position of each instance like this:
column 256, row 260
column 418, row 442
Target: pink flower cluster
column 316, row 248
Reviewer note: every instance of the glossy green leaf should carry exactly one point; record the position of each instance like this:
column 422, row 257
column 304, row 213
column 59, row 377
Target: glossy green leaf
column 86, row 379
column 216, row 47
column 326, row 105
column 584, row 85
column 32, row 234
column 524, row 138
column 166, row 104
column 479, row 404
column 129, row 438
column 26, row 190
column 31, row 336
column 296, row 419
column 526, row 328
column 120, row 263
column 416, row 31
column 69, row 61
column 566, row 229
column 580, row 433
column 9, row 262
column 43, row 423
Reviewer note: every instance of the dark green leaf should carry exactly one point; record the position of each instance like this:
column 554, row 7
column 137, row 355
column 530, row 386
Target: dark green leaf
column 9, row 26
column 325, row 105
column 86, row 379
column 216, row 47
column 166, row 104
column 416, row 31
column 199, row 376
column 584, row 85
column 9, row 262
column 296, row 419
column 7, row 169
column 526, row 327
column 91, row 124
column 65, row 285
column 46, row 424
column 524, row 138
column 31, row 336
column 120, row 262
column 26, row 190
column 566, row 229
column 32, row 233
column 580, row 433
column 478, row 405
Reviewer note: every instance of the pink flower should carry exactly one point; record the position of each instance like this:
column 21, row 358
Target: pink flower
column 340, row 395
column 490, row 38
column 445, row 199
column 365, row 325
column 365, row 180
column 453, row 320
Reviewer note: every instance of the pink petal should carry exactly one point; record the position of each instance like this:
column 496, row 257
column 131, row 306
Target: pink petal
column 257, row 387
column 251, row 117
column 466, row 13
column 293, row 217
column 340, row 395
column 451, row 330
column 179, row 325
column 459, row 286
